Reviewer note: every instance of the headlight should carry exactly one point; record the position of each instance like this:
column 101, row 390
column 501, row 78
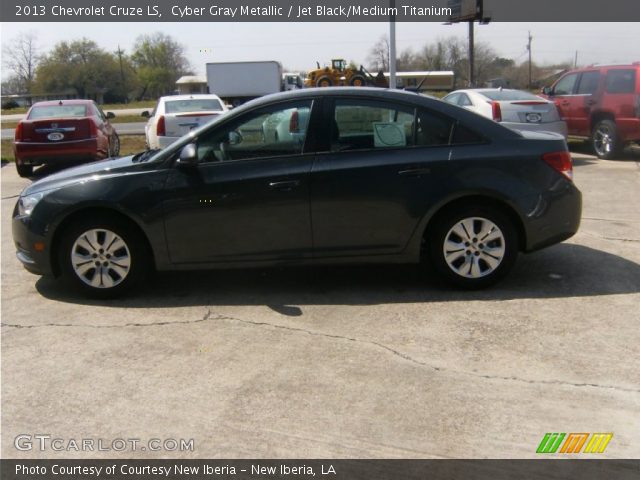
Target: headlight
column 27, row 203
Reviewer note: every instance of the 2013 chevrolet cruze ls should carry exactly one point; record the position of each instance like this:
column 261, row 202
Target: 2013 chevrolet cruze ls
column 366, row 175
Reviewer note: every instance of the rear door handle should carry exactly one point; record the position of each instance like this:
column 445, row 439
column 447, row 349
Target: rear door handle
column 285, row 185
column 414, row 172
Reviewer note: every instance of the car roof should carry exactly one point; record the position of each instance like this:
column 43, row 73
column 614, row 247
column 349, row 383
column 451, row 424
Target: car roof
column 368, row 92
column 190, row 96
column 373, row 93
column 493, row 89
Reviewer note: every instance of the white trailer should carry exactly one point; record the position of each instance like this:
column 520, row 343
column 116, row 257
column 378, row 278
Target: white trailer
column 237, row 82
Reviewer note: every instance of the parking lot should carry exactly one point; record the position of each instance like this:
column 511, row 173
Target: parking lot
column 340, row 362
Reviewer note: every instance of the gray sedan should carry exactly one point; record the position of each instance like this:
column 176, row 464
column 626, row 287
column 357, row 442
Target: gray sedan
column 514, row 109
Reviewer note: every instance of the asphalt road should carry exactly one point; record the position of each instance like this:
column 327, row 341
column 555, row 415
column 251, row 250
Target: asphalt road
column 340, row 362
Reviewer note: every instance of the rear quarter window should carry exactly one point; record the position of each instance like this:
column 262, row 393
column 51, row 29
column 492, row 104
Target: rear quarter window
column 621, row 81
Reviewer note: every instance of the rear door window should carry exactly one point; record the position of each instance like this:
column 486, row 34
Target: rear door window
column 621, row 81
column 366, row 124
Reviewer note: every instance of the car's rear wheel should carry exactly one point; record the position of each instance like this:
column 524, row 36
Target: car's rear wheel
column 473, row 247
column 24, row 170
column 605, row 140
column 358, row 81
column 114, row 146
column 102, row 257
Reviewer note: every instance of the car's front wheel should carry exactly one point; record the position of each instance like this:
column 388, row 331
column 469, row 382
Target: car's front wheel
column 102, row 257
column 473, row 247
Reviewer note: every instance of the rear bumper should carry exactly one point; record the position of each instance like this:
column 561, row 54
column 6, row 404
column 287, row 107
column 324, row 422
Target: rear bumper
column 555, row 127
column 32, row 153
column 554, row 216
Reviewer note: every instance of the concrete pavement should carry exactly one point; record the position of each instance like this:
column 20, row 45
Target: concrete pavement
column 340, row 362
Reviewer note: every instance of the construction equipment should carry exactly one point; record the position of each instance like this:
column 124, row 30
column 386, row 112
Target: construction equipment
column 342, row 74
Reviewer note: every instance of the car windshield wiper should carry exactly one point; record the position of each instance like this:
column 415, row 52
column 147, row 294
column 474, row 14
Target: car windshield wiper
column 142, row 156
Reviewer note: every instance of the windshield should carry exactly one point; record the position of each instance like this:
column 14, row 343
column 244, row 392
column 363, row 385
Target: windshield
column 508, row 95
column 193, row 105
column 58, row 111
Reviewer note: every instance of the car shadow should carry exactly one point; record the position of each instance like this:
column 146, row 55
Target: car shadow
column 631, row 152
column 565, row 270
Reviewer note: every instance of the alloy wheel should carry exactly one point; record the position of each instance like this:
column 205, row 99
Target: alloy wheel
column 100, row 258
column 474, row 247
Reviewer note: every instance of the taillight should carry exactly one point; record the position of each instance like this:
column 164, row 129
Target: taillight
column 294, row 126
column 496, row 112
column 161, row 130
column 93, row 129
column 560, row 162
column 18, row 135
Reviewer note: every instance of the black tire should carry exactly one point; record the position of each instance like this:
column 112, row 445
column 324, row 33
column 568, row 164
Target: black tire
column 358, row 81
column 24, row 170
column 123, row 262
column 472, row 266
column 114, row 145
column 605, row 140
column 324, row 82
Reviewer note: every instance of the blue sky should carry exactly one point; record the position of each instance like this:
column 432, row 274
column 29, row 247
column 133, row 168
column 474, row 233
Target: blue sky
column 299, row 45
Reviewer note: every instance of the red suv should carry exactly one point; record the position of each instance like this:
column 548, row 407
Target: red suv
column 601, row 103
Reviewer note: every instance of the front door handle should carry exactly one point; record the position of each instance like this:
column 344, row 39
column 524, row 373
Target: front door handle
column 414, row 172
column 285, row 185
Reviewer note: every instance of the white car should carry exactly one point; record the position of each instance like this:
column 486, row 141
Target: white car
column 176, row 115
column 286, row 126
column 514, row 109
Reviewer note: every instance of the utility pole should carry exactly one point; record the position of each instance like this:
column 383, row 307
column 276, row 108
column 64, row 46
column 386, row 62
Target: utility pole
column 529, row 48
column 472, row 76
column 392, row 46
column 120, row 52
column 575, row 61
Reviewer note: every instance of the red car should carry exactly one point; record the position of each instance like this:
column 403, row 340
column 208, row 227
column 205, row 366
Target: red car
column 601, row 103
column 61, row 131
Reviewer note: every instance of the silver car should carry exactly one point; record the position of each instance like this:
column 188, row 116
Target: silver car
column 514, row 109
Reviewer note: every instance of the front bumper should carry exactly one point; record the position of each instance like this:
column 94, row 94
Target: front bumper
column 35, row 260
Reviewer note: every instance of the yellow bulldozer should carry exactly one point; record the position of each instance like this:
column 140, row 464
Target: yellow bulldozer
column 342, row 74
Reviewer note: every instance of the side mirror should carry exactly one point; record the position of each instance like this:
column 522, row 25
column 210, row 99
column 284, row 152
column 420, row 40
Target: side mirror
column 234, row 138
column 547, row 91
column 111, row 115
column 145, row 114
column 188, row 155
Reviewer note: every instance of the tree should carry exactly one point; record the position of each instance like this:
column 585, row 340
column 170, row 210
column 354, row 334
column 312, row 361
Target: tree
column 82, row 66
column 379, row 55
column 21, row 57
column 159, row 61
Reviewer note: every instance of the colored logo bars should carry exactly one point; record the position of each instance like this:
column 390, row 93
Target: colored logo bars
column 574, row 442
